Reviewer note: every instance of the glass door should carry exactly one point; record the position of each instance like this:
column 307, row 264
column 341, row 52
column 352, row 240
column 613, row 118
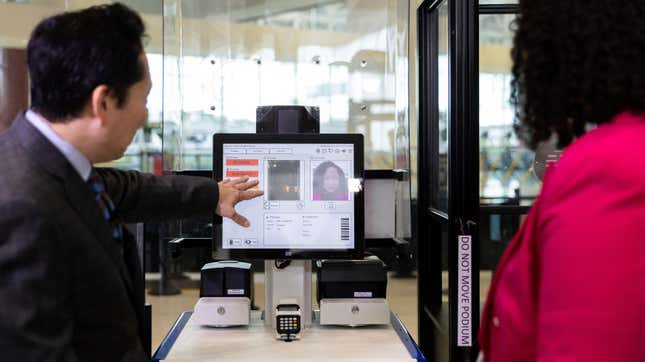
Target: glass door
column 508, row 183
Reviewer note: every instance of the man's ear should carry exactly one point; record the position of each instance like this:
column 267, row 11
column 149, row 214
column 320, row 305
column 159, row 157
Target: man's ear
column 100, row 101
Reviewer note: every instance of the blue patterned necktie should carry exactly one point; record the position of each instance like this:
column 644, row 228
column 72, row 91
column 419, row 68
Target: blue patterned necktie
column 105, row 204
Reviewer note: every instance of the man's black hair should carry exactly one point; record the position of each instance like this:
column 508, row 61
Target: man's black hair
column 70, row 54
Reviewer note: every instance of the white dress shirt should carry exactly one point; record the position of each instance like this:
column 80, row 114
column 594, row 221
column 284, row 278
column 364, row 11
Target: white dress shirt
column 78, row 160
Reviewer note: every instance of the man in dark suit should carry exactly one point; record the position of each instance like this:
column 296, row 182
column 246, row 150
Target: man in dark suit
column 70, row 280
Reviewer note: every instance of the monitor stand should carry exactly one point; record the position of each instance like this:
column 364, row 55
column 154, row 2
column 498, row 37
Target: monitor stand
column 291, row 282
column 294, row 281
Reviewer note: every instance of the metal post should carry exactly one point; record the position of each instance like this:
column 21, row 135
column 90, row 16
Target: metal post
column 165, row 285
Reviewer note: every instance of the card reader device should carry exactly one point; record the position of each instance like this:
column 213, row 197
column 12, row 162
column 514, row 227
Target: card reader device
column 352, row 292
column 287, row 319
column 225, row 294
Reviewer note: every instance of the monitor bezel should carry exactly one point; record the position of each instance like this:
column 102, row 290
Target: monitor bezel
column 220, row 253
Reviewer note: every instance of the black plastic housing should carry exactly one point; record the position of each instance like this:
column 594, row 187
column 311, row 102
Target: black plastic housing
column 287, row 119
column 351, row 279
column 230, row 279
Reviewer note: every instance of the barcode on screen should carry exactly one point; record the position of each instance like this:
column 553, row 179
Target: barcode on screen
column 344, row 228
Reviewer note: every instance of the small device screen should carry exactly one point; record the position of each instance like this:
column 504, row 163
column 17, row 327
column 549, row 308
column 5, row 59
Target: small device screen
column 288, row 308
column 310, row 193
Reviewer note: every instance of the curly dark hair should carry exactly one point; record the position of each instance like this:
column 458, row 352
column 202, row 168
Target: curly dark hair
column 576, row 63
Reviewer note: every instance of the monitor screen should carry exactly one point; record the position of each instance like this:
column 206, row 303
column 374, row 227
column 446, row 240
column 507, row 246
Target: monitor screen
column 312, row 202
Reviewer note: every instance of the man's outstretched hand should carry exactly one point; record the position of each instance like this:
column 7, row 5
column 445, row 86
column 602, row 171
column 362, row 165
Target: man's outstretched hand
column 233, row 191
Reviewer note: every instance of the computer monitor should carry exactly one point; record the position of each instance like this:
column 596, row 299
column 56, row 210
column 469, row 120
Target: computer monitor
column 312, row 207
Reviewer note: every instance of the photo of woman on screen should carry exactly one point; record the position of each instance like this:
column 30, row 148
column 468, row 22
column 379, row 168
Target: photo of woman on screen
column 329, row 183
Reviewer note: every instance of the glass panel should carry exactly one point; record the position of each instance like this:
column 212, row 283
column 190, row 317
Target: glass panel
column 222, row 59
column 225, row 58
column 19, row 17
column 144, row 153
column 17, row 20
column 495, row 233
column 171, row 95
column 400, row 13
column 442, row 133
column 506, row 167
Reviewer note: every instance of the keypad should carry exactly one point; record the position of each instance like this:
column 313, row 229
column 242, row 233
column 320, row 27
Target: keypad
column 288, row 324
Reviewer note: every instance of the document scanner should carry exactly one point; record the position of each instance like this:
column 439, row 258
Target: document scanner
column 225, row 294
column 352, row 292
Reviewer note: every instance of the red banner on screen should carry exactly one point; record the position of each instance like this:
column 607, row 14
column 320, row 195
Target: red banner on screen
column 242, row 173
column 238, row 162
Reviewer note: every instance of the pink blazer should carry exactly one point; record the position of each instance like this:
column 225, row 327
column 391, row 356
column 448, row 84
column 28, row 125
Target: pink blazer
column 571, row 285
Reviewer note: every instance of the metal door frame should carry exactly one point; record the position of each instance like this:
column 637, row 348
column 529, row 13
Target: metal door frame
column 462, row 215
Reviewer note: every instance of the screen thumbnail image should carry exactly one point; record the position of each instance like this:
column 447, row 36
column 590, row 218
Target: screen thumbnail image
column 283, row 180
column 330, row 181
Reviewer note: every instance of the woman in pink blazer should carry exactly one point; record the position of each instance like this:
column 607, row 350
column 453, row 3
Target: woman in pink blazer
column 571, row 285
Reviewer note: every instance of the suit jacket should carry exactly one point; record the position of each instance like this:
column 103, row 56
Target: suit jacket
column 570, row 285
column 67, row 290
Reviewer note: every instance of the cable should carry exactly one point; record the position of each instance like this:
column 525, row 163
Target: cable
column 281, row 264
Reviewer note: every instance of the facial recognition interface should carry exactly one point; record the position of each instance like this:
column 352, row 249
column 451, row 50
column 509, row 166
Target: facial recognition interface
column 308, row 200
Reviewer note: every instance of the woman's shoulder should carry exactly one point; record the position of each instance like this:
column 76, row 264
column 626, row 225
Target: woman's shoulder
column 612, row 152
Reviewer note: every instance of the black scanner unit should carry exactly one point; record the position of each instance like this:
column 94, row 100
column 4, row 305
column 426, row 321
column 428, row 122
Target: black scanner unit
column 287, row 119
column 338, row 279
column 226, row 279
